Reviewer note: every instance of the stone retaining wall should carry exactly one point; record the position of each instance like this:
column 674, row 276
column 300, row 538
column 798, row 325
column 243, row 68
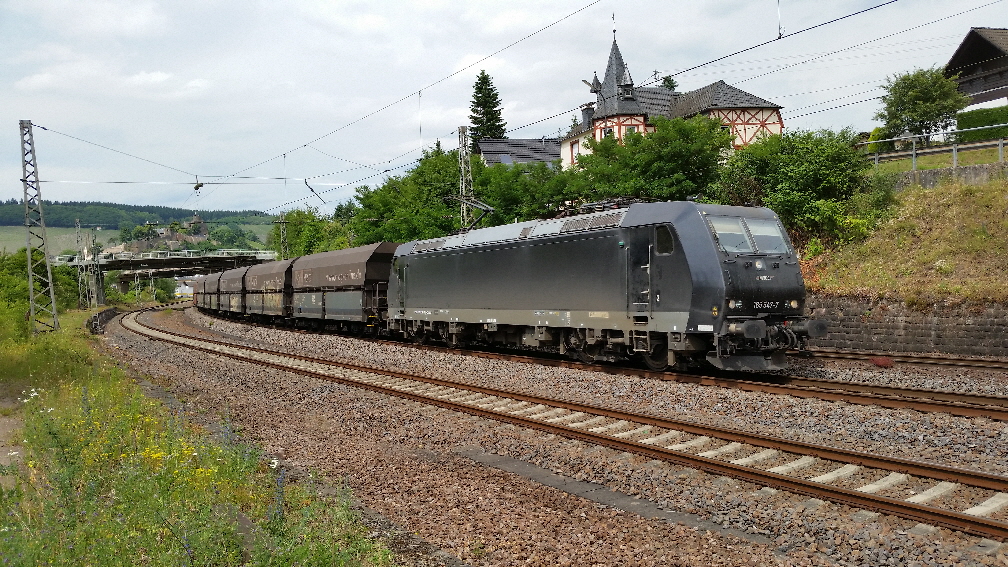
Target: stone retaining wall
column 892, row 326
column 966, row 174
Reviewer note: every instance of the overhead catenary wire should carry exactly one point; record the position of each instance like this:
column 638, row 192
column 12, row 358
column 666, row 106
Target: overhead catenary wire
column 441, row 80
column 873, row 40
column 656, row 79
column 114, row 150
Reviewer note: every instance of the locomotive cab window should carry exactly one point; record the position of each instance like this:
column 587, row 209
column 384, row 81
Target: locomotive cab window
column 768, row 236
column 664, row 243
column 730, row 234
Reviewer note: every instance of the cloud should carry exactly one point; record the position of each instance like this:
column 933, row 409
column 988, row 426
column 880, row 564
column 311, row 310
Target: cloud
column 99, row 19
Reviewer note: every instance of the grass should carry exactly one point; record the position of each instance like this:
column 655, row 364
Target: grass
column 12, row 238
column 946, row 243
column 937, row 161
column 110, row 477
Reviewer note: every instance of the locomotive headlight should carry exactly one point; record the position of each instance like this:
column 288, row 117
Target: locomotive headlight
column 794, row 304
column 759, row 264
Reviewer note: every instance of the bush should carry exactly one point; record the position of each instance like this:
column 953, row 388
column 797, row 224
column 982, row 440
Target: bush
column 879, row 133
column 814, row 180
column 982, row 117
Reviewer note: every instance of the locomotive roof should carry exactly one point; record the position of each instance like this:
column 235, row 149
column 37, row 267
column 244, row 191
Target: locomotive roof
column 637, row 214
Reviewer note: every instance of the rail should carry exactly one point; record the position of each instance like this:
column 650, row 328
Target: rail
column 638, row 434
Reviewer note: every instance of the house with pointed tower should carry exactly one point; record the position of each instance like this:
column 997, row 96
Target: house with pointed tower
column 620, row 108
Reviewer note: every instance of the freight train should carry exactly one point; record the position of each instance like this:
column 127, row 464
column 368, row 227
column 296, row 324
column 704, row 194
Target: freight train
column 669, row 284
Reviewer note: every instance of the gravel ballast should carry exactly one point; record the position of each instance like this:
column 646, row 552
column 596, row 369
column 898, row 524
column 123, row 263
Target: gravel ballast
column 401, row 458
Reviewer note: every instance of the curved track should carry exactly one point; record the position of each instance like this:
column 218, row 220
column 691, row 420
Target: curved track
column 953, row 403
column 708, row 448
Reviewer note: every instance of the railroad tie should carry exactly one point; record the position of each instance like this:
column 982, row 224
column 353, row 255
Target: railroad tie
column 883, row 483
column 567, row 417
column 756, row 457
column 480, row 400
column 632, row 432
column 695, row 442
column 798, row 464
column 991, row 505
column 842, row 472
column 593, row 421
column 722, row 450
column 940, row 489
column 670, row 434
column 612, row 426
column 465, row 398
column 554, row 412
column 513, row 407
column 531, row 409
column 496, row 403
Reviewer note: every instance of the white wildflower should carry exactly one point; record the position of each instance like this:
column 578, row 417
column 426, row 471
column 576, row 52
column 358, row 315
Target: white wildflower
column 274, row 463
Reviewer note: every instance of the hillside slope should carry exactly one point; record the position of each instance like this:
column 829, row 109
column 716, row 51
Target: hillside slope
column 946, row 243
column 112, row 215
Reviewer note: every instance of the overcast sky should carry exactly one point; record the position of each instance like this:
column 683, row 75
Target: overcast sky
column 218, row 87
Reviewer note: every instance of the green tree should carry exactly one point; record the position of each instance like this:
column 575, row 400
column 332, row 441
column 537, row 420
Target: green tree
column 809, row 178
column 669, row 83
column 411, row 206
column 486, row 111
column 680, row 158
column 126, row 231
column 522, row 191
column 920, row 103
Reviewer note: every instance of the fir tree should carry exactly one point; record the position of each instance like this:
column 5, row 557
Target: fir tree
column 486, row 111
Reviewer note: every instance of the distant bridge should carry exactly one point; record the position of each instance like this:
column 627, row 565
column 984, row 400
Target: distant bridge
column 167, row 264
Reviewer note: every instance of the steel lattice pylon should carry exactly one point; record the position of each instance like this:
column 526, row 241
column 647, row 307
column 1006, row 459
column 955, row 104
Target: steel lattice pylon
column 465, row 178
column 42, row 301
column 83, row 285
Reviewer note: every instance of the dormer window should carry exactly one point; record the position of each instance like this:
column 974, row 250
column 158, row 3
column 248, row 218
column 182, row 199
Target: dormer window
column 626, row 92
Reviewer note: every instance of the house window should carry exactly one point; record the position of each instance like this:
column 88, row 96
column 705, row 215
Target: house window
column 630, row 129
column 607, row 131
column 575, row 149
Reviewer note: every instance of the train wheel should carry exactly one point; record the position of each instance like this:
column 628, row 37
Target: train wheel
column 658, row 359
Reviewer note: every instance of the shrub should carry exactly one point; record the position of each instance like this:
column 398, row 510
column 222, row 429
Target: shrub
column 982, row 117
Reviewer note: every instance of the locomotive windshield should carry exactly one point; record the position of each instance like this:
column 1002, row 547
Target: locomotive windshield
column 746, row 236
column 731, row 234
column 768, row 237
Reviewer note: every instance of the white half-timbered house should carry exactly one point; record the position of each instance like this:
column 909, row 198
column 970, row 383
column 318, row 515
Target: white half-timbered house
column 620, row 107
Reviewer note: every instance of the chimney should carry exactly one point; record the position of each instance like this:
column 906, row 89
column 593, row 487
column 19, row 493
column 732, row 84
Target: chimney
column 587, row 112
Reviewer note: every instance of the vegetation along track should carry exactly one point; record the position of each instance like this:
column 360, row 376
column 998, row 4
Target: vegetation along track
column 662, row 439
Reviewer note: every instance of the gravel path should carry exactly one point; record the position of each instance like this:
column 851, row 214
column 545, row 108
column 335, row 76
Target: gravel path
column 400, row 458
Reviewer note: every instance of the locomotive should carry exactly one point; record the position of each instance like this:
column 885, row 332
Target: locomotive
column 668, row 283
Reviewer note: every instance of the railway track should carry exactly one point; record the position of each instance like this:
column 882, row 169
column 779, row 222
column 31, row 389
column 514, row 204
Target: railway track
column 924, row 400
column 908, row 358
column 954, row 403
column 716, row 450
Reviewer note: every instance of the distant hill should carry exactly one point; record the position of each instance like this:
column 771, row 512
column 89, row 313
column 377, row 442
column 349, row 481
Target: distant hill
column 113, row 215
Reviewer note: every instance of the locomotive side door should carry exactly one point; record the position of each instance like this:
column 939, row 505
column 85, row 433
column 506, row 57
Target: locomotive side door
column 639, row 250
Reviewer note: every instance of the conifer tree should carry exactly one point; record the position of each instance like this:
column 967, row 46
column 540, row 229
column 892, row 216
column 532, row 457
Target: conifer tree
column 486, row 110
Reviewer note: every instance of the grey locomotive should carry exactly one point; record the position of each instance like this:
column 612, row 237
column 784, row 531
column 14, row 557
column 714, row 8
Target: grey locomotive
column 672, row 283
